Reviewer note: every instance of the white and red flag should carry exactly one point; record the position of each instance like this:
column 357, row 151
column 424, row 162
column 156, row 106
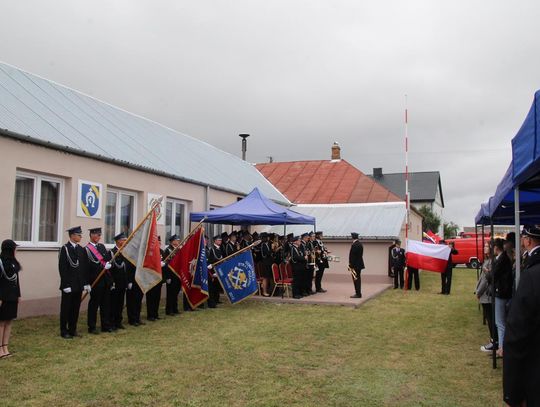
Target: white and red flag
column 427, row 256
column 142, row 250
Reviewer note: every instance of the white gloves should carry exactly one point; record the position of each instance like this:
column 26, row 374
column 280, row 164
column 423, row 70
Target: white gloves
column 67, row 290
column 130, row 286
column 108, row 265
column 168, row 281
column 113, row 287
column 210, row 267
column 87, row 288
column 163, row 264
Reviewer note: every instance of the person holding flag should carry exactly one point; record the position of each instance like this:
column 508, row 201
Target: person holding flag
column 172, row 281
column 118, row 289
column 213, row 255
column 97, row 258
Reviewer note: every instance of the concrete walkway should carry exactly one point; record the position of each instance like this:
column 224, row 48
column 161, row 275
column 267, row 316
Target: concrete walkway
column 339, row 289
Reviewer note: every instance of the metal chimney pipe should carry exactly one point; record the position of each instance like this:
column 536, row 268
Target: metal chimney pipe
column 244, row 145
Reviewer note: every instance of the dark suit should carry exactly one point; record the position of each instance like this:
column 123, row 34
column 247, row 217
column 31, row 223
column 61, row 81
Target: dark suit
column 73, row 275
column 100, row 296
column 356, row 261
column 118, row 294
column 298, row 263
column 134, row 296
column 153, row 297
column 446, row 277
column 398, row 265
column 322, row 264
column 213, row 255
column 521, row 372
column 173, row 287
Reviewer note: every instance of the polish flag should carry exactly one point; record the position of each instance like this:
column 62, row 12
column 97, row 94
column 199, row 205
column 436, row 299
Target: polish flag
column 427, row 256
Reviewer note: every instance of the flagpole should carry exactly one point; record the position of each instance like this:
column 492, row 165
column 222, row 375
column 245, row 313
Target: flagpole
column 119, row 251
column 237, row 253
column 191, row 233
column 407, row 197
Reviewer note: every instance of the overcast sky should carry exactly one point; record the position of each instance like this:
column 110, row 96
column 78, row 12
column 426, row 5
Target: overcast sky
column 299, row 75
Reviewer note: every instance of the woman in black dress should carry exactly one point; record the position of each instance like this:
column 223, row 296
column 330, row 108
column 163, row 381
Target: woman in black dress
column 10, row 292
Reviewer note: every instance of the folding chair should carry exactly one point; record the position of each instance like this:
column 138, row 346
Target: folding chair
column 283, row 283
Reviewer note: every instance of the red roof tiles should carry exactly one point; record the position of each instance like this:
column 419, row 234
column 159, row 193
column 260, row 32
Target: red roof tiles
column 323, row 182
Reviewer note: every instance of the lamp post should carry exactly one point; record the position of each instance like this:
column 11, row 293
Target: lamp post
column 244, row 145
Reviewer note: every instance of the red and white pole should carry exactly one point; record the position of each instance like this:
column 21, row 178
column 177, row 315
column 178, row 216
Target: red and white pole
column 407, row 196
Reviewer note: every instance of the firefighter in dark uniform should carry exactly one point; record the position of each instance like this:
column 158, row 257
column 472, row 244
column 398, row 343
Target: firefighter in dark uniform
column 153, row 296
column 172, row 281
column 213, row 255
column 356, row 263
column 134, row 297
column 305, row 278
column 118, row 289
column 73, row 280
column 298, row 262
column 246, row 240
column 231, row 246
column 521, row 372
column 322, row 261
column 97, row 258
column 267, row 261
column 398, row 264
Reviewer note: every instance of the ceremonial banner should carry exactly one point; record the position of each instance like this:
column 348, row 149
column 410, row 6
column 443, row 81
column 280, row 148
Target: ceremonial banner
column 427, row 256
column 143, row 252
column 151, row 200
column 89, row 200
column 237, row 276
column 189, row 264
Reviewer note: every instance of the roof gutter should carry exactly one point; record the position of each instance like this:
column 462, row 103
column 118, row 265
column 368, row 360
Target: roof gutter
column 54, row 146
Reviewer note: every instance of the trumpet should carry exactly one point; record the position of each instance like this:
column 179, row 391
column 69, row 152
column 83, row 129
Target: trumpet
column 312, row 257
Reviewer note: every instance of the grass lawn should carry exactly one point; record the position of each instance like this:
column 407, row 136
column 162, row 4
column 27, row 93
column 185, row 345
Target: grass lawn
column 400, row 349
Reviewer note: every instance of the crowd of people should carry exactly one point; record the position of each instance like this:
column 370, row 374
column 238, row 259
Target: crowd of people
column 512, row 313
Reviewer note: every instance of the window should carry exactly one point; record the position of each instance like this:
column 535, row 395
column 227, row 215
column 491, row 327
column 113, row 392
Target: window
column 37, row 210
column 175, row 218
column 119, row 214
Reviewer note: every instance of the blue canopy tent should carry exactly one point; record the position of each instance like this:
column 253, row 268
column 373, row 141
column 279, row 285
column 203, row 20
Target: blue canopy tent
column 254, row 209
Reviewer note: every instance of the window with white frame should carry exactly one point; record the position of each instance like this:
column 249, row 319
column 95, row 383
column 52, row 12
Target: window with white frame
column 175, row 218
column 120, row 212
column 37, row 209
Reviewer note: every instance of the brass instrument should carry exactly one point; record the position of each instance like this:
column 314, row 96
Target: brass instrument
column 312, row 257
column 354, row 274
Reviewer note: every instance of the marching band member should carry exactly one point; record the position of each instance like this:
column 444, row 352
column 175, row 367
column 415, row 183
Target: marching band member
column 267, row 261
column 298, row 261
column 356, row 264
column 322, row 261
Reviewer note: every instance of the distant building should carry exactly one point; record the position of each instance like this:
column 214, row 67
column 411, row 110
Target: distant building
column 69, row 159
column 343, row 199
column 425, row 189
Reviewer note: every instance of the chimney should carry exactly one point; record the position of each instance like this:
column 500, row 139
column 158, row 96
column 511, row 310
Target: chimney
column 377, row 173
column 336, row 151
column 244, row 145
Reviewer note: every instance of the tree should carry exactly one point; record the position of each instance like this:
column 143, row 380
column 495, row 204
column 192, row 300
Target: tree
column 450, row 230
column 431, row 221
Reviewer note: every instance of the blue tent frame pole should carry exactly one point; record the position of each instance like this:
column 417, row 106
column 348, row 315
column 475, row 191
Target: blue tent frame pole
column 517, row 231
column 492, row 257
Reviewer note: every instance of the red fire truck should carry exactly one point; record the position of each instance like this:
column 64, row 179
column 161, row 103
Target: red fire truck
column 467, row 251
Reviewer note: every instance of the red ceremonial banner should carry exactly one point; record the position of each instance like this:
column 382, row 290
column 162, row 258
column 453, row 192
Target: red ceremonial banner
column 183, row 265
column 152, row 258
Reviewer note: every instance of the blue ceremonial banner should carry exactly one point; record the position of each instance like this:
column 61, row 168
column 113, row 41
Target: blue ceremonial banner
column 200, row 275
column 237, row 277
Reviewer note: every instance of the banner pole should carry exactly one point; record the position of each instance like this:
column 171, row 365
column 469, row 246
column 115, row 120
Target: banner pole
column 130, row 237
column 237, row 253
column 183, row 242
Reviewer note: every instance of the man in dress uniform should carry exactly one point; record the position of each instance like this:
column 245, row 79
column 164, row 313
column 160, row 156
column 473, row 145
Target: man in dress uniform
column 446, row 277
column 356, row 263
column 521, row 367
column 224, row 240
column 398, row 264
column 214, row 255
column 174, row 284
column 322, row 261
column 307, row 276
column 134, row 297
column 118, row 289
column 153, row 296
column 231, row 246
column 298, row 262
column 97, row 258
column 246, row 240
column 73, row 280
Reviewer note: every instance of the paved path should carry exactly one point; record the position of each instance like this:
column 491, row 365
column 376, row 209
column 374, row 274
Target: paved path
column 339, row 289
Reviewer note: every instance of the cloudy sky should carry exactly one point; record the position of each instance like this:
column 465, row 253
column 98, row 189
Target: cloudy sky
column 299, row 75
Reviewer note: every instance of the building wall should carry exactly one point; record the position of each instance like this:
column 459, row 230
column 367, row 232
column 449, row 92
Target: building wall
column 39, row 278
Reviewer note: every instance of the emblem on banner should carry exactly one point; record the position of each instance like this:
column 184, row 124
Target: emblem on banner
column 89, row 199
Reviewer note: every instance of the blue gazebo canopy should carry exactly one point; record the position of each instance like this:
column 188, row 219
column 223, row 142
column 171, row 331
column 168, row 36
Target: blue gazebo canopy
column 254, row 209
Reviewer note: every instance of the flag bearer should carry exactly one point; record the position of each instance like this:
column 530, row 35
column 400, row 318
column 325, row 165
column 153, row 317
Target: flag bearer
column 172, row 281
column 118, row 289
column 213, row 255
